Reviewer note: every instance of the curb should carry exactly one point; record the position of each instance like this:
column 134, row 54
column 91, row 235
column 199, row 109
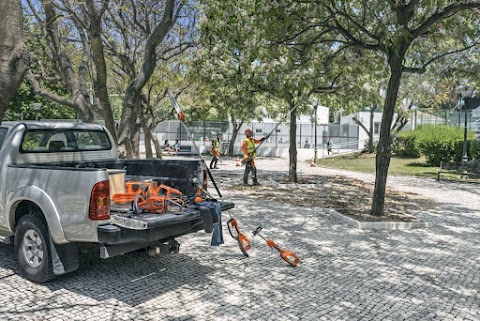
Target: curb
column 378, row 225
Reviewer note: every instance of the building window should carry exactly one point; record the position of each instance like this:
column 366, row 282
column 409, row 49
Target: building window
column 376, row 128
column 258, row 130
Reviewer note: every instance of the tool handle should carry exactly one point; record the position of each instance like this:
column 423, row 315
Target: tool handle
column 286, row 255
column 181, row 118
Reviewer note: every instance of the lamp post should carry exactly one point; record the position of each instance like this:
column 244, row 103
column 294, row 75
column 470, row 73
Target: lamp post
column 315, row 106
column 36, row 108
column 414, row 123
column 465, row 92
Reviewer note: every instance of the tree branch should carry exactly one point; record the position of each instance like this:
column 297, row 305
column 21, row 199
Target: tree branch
column 32, row 80
column 422, row 69
column 447, row 11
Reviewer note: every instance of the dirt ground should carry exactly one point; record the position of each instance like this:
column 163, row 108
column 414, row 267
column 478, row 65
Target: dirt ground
column 349, row 196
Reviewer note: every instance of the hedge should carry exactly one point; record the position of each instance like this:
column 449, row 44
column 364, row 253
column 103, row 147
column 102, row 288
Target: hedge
column 436, row 143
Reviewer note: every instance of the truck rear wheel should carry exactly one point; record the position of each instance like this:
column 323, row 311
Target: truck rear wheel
column 32, row 248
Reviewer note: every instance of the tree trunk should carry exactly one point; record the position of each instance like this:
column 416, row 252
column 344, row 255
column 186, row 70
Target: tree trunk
column 383, row 148
column 148, row 138
column 156, row 143
column 236, row 128
column 292, row 169
column 100, row 76
column 368, row 131
column 14, row 58
column 136, row 131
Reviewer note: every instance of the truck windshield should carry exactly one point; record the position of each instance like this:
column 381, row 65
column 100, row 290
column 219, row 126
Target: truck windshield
column 63, row 140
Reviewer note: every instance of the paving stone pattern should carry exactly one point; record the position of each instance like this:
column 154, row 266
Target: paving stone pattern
column 345, row 274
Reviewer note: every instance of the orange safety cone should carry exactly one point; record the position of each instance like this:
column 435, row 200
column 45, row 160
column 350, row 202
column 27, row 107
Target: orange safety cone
column 312, row 163
column 237, row 161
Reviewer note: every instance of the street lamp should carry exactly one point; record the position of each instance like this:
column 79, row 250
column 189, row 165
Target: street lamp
column 465, row 92
column 315, row 106
column 36, row 108
column 414, row 123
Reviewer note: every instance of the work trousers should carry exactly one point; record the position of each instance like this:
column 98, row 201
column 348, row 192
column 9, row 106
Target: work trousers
column 213, row 163
column 250, row 167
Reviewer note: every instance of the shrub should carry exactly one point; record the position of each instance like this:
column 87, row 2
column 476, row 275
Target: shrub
column 405, row 145
column 437, row 143
column 475, row 149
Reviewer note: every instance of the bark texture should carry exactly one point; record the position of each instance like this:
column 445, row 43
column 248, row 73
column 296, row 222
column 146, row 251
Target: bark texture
column 14, row 58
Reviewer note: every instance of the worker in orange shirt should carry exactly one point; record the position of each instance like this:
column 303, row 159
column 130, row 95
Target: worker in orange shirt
column 248, row 150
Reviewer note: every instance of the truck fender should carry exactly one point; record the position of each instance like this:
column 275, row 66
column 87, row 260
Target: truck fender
column 46, row 205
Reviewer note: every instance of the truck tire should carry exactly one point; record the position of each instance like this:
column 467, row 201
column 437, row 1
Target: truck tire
column 32, row 248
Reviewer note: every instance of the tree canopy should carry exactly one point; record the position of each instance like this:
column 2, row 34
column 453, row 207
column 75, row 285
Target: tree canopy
column 114, row 59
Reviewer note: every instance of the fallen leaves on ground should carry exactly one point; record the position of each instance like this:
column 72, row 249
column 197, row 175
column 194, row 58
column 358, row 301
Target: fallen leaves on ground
column 349, row 196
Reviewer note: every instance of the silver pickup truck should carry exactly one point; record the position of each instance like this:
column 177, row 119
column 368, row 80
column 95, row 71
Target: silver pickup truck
column 56, row 189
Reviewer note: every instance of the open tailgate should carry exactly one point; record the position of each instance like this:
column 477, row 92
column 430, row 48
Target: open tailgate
column 127, row 227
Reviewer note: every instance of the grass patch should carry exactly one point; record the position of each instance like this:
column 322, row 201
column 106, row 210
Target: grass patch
column 365, row 163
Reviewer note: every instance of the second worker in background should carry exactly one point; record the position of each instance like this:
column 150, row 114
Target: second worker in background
column 216, row 150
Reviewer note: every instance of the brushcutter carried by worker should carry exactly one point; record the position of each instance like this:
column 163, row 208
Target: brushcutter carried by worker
column 251, row 155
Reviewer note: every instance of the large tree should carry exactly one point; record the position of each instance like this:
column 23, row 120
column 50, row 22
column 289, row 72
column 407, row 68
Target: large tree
column 248, row 57
column 14, row 57
column 156, row 32
column 409, row 35
column 93, row 44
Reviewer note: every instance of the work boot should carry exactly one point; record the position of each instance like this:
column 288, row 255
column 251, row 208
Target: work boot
column 246, row 184
column 256, row 184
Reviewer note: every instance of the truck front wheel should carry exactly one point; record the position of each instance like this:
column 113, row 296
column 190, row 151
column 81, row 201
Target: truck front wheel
column 32, row 248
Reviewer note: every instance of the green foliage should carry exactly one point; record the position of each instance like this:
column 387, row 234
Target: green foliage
column 405, row 145
column 223, row 68
column 22, row 106
column 475, row 149
column 438, row 143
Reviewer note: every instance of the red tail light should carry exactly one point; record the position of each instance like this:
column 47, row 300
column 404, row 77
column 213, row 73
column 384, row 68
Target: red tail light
column 99, row 208
column 205, row 180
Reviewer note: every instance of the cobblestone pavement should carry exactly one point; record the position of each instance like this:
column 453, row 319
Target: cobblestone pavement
column 345, row 274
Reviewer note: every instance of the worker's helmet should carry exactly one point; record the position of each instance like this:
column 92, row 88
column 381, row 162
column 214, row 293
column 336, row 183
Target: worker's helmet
column 248, row 132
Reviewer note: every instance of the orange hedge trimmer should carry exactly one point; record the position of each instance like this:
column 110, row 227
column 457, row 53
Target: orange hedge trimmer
column 289, row 257
column 243, row 241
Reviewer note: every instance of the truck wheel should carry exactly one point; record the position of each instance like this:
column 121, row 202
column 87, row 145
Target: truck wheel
column 32, row 248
